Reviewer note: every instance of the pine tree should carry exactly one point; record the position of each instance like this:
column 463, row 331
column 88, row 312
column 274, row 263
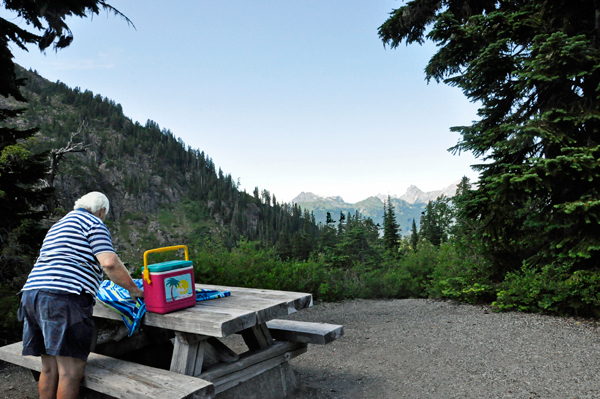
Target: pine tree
column 414, row 236
column 391, row 229
column 21, row 174
column 328, row 235
column 341, row 223
column 22, row 171
column 436, row 221
column 533, row 67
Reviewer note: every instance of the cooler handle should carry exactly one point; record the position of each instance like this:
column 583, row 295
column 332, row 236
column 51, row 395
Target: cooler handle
column 156, row 250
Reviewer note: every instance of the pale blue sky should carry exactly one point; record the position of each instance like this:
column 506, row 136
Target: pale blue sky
column 288, row 96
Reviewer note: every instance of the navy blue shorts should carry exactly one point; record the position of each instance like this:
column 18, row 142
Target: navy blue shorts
column 56, row 323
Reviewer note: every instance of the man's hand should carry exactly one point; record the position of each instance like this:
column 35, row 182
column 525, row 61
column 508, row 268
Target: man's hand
column 118, row 274
column 136, row 293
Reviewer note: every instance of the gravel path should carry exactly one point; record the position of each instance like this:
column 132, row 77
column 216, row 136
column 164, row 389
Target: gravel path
column 429, row 349
column 415, row 348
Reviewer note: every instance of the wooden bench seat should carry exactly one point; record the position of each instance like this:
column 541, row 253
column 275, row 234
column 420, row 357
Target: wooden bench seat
column 304, row 332
column 122, row 379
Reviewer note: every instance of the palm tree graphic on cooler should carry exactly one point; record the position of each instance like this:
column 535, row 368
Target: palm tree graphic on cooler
column 173, row 283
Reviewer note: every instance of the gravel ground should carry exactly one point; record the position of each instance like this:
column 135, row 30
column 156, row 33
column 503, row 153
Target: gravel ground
column 430, row 349
column 417, row 348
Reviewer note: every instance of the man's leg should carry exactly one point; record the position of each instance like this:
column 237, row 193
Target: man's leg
column 48, row 378
column 70, row 373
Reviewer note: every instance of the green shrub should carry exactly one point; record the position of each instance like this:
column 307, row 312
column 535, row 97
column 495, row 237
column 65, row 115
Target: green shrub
column 551, row 289
column 250, row 265
column 461, row 274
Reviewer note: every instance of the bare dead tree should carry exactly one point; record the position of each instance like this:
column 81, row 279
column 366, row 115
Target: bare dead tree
column 57, row 155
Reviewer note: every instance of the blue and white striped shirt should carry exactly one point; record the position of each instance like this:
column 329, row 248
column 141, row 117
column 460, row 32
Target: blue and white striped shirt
column 67, row 260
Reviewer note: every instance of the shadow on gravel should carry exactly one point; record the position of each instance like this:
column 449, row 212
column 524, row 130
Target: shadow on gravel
column 314, row 383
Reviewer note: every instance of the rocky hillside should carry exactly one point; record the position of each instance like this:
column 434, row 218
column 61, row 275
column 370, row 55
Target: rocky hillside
column 162, row 192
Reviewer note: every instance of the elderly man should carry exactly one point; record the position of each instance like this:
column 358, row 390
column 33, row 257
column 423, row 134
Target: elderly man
column 58, row 297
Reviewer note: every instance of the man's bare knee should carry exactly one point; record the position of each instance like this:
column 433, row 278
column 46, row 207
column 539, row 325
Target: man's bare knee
column 70, row 368
column 49, row 365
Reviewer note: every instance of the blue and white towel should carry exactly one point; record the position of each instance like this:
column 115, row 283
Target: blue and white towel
column 117, row 299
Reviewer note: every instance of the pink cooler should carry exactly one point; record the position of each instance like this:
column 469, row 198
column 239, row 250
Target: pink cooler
column 169, row 286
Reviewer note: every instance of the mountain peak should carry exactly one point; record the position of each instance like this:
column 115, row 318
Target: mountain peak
column 384, row 197
column 415, row 195
column 306, row 197
column 336, row 198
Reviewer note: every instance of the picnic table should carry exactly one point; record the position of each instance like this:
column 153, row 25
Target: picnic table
column 201, row 365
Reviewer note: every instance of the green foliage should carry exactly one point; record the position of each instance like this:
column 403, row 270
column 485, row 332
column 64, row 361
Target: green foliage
column 391, row 229
column 250, row 265
column 23, row 199
column 534, row 68
column 21, row 205
column 20, row 172
column 17, row 254
column 10, row 328
column 414, row 236
column 461, row 274
column 436, row 221
column 356, row 242
column 553, row 289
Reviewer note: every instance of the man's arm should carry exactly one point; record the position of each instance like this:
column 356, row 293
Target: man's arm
column 118, row 274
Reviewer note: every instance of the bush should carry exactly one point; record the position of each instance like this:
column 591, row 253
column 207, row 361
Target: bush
column 461, row 274
column 250, row 265
column 553, row 289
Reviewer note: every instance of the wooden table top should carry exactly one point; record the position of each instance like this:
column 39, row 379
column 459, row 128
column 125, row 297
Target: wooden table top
column 246, row 307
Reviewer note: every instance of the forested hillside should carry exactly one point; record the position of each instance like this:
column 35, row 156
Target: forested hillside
column 160, row 190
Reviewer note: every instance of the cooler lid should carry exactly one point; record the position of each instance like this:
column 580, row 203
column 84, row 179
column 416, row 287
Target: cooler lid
column 170, row 265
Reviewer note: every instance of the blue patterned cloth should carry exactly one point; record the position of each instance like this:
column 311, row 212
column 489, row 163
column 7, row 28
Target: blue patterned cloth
column 204, row 294
column 117, row 299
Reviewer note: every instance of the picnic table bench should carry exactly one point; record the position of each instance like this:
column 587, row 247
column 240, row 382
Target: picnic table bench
column 200, row 361
column 123, row 379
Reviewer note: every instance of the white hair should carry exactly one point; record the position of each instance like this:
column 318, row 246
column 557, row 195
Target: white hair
column 93, row 202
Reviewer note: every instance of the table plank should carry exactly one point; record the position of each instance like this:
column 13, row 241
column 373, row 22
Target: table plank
column 245, row 308
column 265, row 309
column 295, row 300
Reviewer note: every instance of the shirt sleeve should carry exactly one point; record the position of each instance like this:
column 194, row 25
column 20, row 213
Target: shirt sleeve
column 99, row 238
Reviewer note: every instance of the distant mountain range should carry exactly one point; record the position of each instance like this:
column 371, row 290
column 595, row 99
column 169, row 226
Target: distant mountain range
column 414, row 195
column 407, row 207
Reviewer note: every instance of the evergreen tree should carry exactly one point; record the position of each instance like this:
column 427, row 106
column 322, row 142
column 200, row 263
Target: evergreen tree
column 436, row 221
column 341, row 223
column 464, row 225
column 391, row 229
column 359, row 243
column 256, row 194
column 533, row 67
column 329, row 220
column 301, row 246
column 284, row 247
column 21, row 170
column 328, row 235
column 414, row 236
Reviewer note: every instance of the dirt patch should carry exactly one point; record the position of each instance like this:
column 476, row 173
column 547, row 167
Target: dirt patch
column 431, row 349
column 16, row 383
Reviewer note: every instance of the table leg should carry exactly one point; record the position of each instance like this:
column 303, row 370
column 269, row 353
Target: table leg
column 188, row 353
column 219, row 352
column 257, row 337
